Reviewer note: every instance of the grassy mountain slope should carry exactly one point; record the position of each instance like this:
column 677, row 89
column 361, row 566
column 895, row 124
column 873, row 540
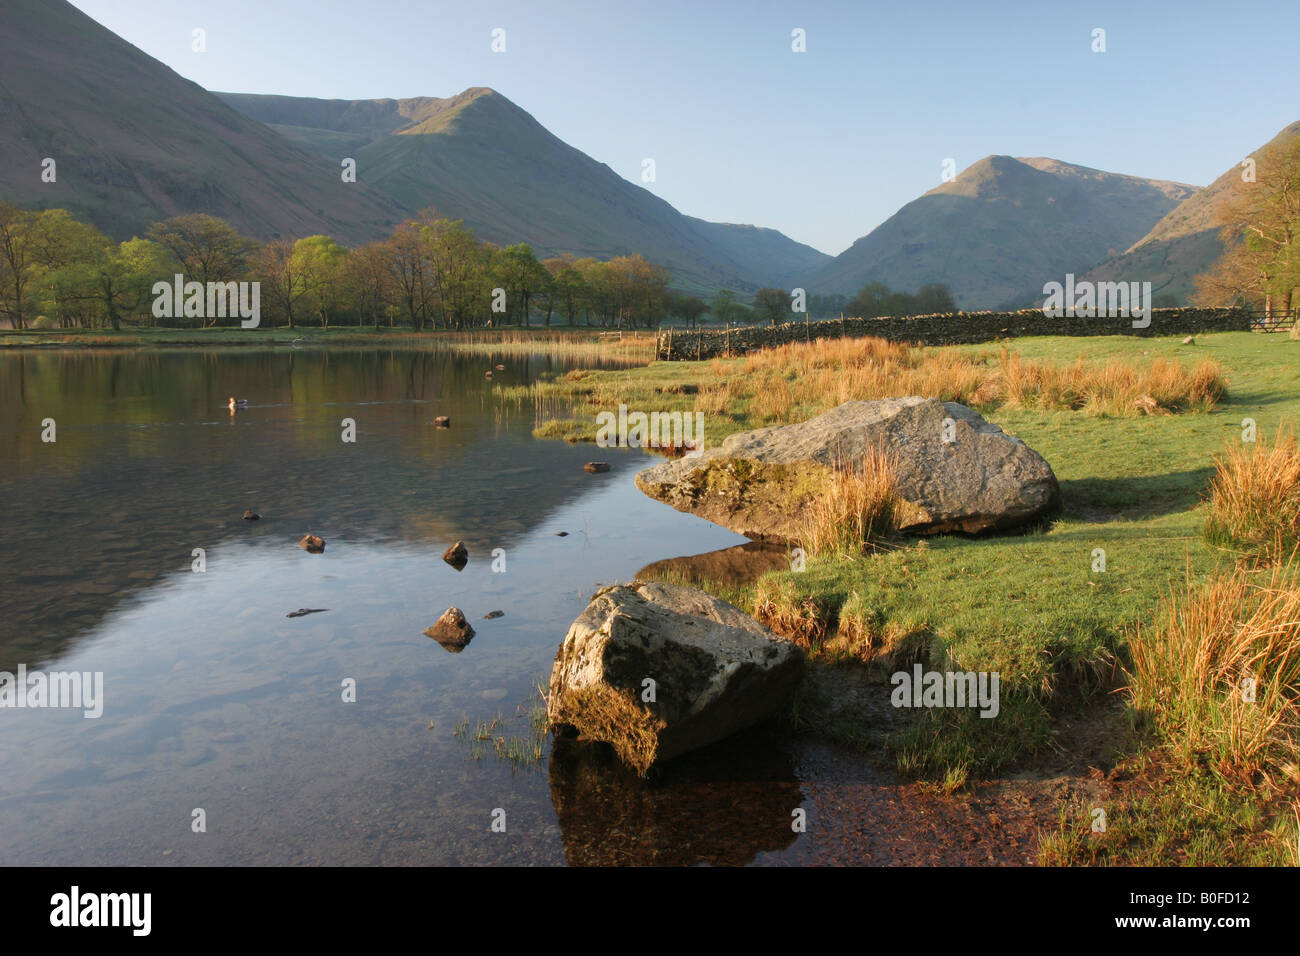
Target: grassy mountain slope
column 1185, row 242
column 477, row 156
column 135, row 142
column 1002, row 227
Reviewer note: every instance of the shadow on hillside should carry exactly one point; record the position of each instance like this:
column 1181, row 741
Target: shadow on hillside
column 1114, row 499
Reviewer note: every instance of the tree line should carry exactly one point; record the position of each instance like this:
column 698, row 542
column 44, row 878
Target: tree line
column 430, row 273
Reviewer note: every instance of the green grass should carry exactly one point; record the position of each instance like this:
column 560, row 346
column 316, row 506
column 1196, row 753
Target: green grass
column 1178, row 818
column 1031, row 606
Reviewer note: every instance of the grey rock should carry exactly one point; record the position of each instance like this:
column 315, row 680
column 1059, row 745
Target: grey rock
column 760, row 483
column 715, row 670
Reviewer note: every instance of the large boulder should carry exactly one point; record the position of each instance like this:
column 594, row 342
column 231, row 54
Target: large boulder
column 714, row 670
column 956, row 471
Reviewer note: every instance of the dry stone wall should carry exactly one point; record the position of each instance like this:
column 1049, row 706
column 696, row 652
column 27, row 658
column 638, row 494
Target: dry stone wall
column 950, row 328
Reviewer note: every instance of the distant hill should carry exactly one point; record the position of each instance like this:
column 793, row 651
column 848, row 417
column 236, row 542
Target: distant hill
column 134, row 142
column 478, row 157
column 1185, row 243
column 1002, row 228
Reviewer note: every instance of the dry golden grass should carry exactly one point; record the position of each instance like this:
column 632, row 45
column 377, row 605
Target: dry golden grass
column 801, row 620
column 1219, row 672
column 803, row 378
column 1254, row 503
column 616, row 717
column 858, row 509
column 563, row 345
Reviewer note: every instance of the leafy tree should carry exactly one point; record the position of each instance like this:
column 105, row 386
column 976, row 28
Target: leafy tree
column 369, row 283
column 516, row 270
column 569, row 289
column 723, row 305
column 687, row 307
column 772, row 305
column 18, row 264
column 1260, row 224
column 67, row 255
column 320, row 261
column 278, row 269
column 208, row 249
column 408, row 265
column 126, row 276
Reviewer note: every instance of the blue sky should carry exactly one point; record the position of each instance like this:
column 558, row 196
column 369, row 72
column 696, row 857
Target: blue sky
column 823, row 145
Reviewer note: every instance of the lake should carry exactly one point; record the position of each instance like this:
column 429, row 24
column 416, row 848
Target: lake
column 215, row 701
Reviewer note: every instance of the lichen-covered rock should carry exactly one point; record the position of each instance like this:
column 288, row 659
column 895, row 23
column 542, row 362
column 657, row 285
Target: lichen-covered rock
column 659, row 669
column 956, row 471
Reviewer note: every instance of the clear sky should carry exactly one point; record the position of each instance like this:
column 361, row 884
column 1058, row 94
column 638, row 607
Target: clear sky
column 823, row 145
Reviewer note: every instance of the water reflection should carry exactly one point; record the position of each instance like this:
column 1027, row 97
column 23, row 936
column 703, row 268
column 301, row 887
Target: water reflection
column 214, row 696
column 724, row 805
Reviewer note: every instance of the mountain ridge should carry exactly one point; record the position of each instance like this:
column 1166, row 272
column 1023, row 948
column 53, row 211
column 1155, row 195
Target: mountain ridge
column 1001, row 228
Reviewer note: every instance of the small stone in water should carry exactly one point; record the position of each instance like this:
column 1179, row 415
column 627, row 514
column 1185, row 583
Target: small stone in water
column 493, row 614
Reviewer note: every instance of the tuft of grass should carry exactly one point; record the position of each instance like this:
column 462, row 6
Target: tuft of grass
column 803, row 619
column 1189, row 817
column 954, row 744
column 858, row 509
column 617, row 718
column 1218, row 674
column 1254, row 502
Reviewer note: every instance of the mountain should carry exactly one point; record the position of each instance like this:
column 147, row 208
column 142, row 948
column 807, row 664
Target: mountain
column 1185, row 243
column 478, row 157
column 1002, row 228
column 134, row 142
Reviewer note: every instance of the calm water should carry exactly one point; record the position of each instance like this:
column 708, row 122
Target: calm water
column 213, row 699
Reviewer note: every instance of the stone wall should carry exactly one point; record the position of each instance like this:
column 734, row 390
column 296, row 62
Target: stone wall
column 950, row 328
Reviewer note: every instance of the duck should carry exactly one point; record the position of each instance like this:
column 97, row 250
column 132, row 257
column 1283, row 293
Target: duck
column 237, row 403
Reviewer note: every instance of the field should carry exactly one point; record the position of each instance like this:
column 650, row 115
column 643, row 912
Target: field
column 1052, row 610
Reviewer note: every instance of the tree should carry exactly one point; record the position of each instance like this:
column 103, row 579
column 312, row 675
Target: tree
column 1259, row 223
column 516, row 270
column 67, row 254
column 369, row 282
column 408, row 265
column 688, row 307
column 126, row 274
column 568, row 288
column 459, row 272
column 876, row 299
column 279, row 272
column 208, row 248
column 319, row 260
column 772, row 305
column 723, row 305
column 17, row 263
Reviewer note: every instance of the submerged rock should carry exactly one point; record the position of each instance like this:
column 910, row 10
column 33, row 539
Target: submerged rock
column 956, row 471
column 312, row 543
column 493, row 615
column 657, row 670
column 251, row 515
column 304, row 611
column 596, row 467
column 457, row 555
column 451, row 630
